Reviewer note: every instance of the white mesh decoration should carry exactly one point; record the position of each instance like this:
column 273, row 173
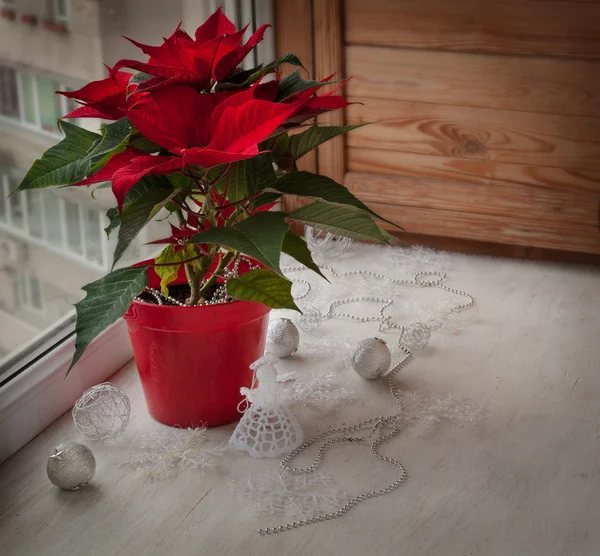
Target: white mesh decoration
column 324, row 245
column 267, row 429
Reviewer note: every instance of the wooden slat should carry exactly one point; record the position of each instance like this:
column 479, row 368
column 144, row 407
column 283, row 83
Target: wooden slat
column 510, row 27
column 553, row 86
column 525, row 202
column 498, row 229
column 293, row 33
column 478, row 133
column 329, row 58
column 469, row 170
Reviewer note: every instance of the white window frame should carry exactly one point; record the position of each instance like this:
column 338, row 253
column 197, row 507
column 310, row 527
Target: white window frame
column 9, row 4
column 20, row 119
column 37, row 396
column 55, row 17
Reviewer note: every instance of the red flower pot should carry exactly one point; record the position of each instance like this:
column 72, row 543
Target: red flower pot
column 29, row 19
column 193, row 361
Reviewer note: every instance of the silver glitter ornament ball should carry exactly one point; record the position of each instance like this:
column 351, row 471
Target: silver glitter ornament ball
column 309, row 320
column 71, row 466
column 283, row 338
column 371, row 358
column 416, row 336
column 102, row 413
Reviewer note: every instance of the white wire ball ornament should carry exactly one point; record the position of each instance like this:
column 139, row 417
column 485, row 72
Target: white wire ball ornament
column 309, row 320
column 267, row 429
column 326, row 244
column 71, row 466
column 371, row 358
column 416, row 336
column 283, row 338
column 102, row 413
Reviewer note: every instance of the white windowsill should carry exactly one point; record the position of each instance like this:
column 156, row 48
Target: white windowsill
column 35, row 398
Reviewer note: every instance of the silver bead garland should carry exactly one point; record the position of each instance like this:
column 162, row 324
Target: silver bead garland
column 387, row 426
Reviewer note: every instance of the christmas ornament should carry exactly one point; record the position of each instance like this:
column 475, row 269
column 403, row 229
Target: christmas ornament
column 309, row 320
column 325, row 244
column 416, row 336
column 102, row 413
column 71, row 466
column 267, row 429
column 282, row 338
column 371, row 358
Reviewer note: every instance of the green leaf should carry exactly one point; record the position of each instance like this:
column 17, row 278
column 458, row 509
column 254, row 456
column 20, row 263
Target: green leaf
column 260, row 236
column 263, row 286
column 306, row 184
column 246, row 78
column 114, row 218
column 137, row 214
column 341, row 220
column 293, row 83
column 106, row 300
column 169, row 273
column 64, row 163
column 304, row 142
column 245, row 177
column 296, row 247
column 115, row 137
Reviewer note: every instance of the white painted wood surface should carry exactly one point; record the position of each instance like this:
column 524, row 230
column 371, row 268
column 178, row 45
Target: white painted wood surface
column 523, row 480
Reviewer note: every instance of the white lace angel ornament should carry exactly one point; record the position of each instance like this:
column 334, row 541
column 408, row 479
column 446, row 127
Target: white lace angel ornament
column 267, row 429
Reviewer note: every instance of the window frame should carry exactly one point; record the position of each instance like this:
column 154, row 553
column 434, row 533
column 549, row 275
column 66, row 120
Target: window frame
column 25, row 295
column 21, row 119
column 55, row 17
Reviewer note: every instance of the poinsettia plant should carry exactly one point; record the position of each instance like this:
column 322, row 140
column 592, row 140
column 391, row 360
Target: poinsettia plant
column 193, row 134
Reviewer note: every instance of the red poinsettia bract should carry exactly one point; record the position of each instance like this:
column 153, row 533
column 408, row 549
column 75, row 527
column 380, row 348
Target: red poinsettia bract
column 214, row 52
column 201, row 129
column 105, row 98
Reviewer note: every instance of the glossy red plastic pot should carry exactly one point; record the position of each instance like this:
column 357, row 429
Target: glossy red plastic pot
column 193, row 361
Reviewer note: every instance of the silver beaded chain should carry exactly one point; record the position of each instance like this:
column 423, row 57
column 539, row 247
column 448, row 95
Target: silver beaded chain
column 378, row 423
column 220, row 295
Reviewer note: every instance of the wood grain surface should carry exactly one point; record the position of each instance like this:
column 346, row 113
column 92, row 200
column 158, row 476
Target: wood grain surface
column 470, row 170
column 486, row 227
column 476, row 133
column 517, row 201
column 546, row 85
column 543, row 28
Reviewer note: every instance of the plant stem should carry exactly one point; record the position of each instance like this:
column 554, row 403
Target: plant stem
column 223, row 262
column 191, row 275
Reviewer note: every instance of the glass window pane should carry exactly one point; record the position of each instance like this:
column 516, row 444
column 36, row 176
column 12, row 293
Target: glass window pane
column 28, row 83
column 34, row 213
column 9, row 96
column 49, row 103
column 61, row 8
column 35, row 291
column 93, row 237
column 52, row 217
column 3, row 203
column 17, row 215
column 73, row 218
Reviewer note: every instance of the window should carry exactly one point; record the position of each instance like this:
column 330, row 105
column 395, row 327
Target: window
column 31, row 99
column 30, row 292
column 58, row 11
column 9, row 96
column 72, row 228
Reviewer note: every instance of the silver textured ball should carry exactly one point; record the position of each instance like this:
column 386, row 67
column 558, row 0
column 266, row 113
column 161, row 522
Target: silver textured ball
column 371, row 358
column 416, row 336
column 309, row 320
column 71, row 466
column 102, row 413
column 283, row 337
